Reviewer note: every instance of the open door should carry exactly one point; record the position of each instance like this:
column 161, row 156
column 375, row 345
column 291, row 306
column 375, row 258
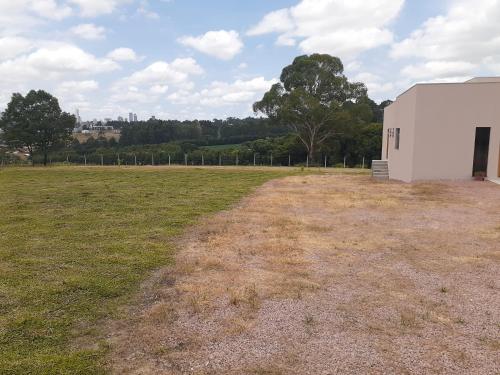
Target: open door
column 481, row 151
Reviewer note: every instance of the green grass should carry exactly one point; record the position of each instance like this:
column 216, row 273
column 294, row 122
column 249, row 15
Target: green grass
column 75, row 244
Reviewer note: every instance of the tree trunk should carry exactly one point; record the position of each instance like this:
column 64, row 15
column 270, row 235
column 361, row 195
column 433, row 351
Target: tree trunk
column 44, row 158
column 311, row 153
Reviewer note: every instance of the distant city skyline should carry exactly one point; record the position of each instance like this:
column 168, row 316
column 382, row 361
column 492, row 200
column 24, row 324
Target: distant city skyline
column 203, row 60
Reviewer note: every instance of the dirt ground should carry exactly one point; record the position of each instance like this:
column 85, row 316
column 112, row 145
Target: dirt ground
column 328, row 274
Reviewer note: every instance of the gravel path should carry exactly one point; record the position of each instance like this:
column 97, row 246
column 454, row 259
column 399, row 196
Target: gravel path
column 328, row 275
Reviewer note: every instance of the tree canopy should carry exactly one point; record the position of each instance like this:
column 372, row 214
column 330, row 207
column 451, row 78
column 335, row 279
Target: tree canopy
column 36, row 121
column 311, row 98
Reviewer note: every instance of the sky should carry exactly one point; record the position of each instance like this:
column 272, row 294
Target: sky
column 198, row 59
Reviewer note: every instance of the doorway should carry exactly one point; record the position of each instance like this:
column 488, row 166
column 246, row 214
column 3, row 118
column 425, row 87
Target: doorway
column 481, row 150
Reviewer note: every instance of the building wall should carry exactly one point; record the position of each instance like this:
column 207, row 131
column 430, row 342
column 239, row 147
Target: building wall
column 447, row 117
column 401, row 114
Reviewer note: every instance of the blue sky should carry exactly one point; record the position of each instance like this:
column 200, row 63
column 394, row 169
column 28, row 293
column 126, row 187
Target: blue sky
column 190, row 59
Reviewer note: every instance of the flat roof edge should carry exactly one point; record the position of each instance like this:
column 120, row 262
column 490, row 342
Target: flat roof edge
column 467, row 83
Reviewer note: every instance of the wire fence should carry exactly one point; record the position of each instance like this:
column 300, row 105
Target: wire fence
column 199, row 159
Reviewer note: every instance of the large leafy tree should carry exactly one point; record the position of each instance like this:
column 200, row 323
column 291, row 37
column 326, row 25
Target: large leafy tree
column 35, row 121
column 310, row 98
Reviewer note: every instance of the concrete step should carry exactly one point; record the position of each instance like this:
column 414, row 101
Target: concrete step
column 380, row 169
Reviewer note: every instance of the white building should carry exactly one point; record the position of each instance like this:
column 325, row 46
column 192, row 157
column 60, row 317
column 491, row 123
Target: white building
column 444, row 131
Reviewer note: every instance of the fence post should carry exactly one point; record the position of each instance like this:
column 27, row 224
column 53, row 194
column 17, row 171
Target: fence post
column 344, row 161
column 102, row 160
column 119, row 162
column 85, row 159
column 254, row 159
column 271, row 160
column 152, row 159
column 307, row 161
column 363, row 163
column 186, row 159
column 169, row 160
column 135, row 159
column 237, row 160
column 220, row 160
column 202, row 159
column 289, row 160
column 325, row 161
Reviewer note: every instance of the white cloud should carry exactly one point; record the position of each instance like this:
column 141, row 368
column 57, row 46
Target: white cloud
column 353, row 66
column 89, row 31
column 161, row 72
column 438, row 69
column 286, row 40
column 53, row 61
column 220, row 94
column 132, row 94
column 50, row 9
column 77, row 86
column 221, row 44
column 338, row 27
column 377, row 86
column 159, row 89
column 147, row 85
column 148, row 13
column 93, row 8
column 275, row 22
column 144, row 10
column 123, row 54
column 72, row 94
column 345, row 42
column 458, row 44
column 469, row 31
column 20, row 15
column 11, row 47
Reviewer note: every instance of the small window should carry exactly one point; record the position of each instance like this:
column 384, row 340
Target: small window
column 396, row 142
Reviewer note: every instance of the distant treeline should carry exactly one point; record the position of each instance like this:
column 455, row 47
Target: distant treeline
column 358, row 137
column 358, row 142
column 230, row 131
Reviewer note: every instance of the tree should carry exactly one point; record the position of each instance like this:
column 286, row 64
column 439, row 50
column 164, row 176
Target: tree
column 37, row 123
column 312, row 91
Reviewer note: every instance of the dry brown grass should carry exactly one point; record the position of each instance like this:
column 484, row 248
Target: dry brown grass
column 328, row 273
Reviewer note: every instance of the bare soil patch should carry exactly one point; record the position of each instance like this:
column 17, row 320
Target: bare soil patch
column 328, row 274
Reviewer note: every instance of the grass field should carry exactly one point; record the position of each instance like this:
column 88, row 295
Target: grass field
column 328, row 274
column 75, row 243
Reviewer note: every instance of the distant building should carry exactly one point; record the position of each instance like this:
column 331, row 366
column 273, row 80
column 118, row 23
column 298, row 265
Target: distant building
column 130, row 117
column 78, row 118
column 135, row 117
column 444, row 131
column 121, row 119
